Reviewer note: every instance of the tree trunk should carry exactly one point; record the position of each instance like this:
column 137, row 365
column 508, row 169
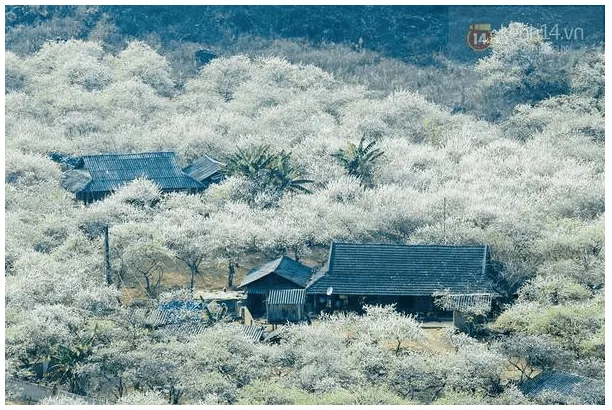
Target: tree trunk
column 107, row 265
column 296, row 253
column 193, row 269
column 148, row 285
column 231, row 271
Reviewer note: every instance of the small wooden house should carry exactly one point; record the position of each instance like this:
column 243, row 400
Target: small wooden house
column 407, row 275
column 286, row 305
column 96, row 176
column 279, row 274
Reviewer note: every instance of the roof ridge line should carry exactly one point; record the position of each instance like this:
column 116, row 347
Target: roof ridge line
column 330, row 257
column 409, row 245
column 128, row 153
column 214, row 160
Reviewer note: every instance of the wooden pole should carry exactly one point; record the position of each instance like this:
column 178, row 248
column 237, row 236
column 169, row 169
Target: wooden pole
column 107, row 265
column 444, row 221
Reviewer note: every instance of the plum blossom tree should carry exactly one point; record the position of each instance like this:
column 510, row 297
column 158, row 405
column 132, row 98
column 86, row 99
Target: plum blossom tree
column 185, row 233
column 523, row 67
column 418, row 376
column 231, row 233
column 385, row 322
column 139, row 60
column 528, row 353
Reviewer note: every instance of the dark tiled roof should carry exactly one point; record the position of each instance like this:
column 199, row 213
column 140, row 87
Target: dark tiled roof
column 284, row 267
column 110, row 171
column 203, row 168
column 566, row 385
column 414, row 270
column 287, row 297
column 263, row 289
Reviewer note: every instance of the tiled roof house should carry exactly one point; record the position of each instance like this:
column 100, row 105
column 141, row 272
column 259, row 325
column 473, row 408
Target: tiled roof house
column 96, row 176
column 408, row 275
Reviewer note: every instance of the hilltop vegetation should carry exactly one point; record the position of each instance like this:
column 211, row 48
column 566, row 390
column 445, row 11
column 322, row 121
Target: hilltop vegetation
column 519, row 166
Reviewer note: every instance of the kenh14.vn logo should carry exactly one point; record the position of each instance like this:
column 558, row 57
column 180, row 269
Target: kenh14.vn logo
column 479, row 36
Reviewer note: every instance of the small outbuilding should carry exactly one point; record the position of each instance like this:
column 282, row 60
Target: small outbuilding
column 286, row 305
column 231, row 301
column 280, row 274
column 205, row 170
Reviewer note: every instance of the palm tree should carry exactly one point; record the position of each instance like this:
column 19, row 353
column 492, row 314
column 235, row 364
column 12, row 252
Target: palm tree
column 66, row 361
column 286, row 176
column 249, row 162
column 359, row 160
column 267, row 169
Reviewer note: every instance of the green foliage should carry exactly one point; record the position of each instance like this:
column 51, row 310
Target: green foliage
column 142, row 398
column 358, row 161
column 510, row 396
column 271, row 392
column 553, row 291
column 570, row 324
column 65, row 363
column 528, row 353
column 359, row 397
column 250, row 162
column 270, row 173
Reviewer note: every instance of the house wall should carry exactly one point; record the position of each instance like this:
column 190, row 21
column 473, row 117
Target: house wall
column 407, row 304
column 89, row 197
column 284, row 313
column 459, row 320
column 257, row 302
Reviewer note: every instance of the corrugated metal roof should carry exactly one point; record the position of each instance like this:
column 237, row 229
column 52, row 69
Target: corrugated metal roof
column 110, row 171
column 185, row 328
column 287, row 297
column 253, row 333
column 462, row 302
column 412, row 270
column 565, row 384
column 203, row 168
column 285, row 267
column 175, row 312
